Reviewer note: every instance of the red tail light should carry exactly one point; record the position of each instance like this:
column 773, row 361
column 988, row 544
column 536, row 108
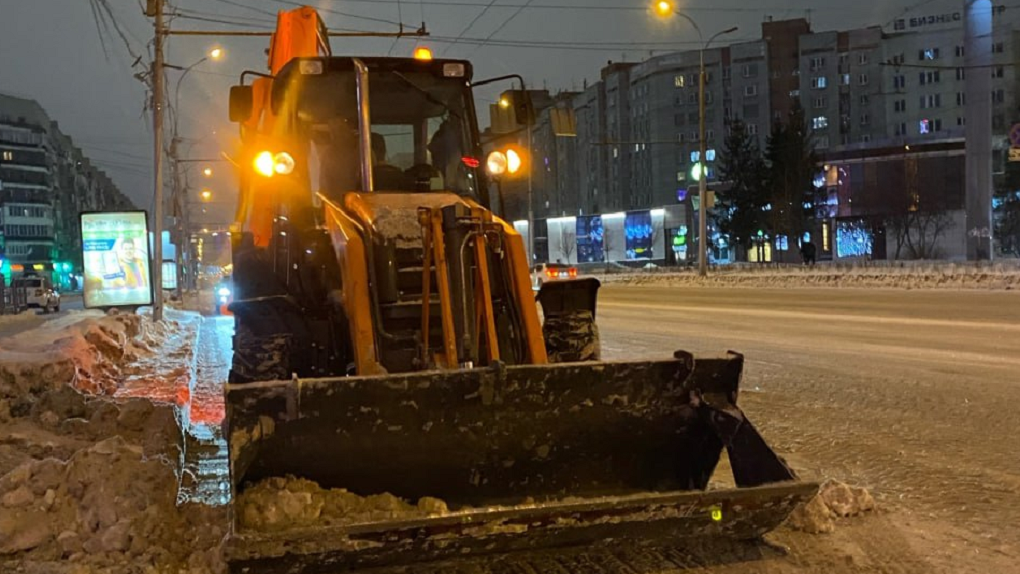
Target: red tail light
column 550, row 273
column 470, row 162
column 573, row 272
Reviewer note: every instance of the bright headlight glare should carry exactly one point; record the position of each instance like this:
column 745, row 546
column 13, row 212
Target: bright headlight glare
column 496, row 163
column 513, row 161
column 283, row 163
column 264, row 164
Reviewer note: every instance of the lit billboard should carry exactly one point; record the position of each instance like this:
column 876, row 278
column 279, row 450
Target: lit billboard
column 115, row 251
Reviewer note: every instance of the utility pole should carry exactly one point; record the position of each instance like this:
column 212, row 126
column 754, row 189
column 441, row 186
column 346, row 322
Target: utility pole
column 531, row 203
column 977, row 21
column 703, row 176
column 155, row 9
column 179, row 200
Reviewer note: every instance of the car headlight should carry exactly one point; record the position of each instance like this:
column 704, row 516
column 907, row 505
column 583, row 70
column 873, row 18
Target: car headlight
column 223, row 292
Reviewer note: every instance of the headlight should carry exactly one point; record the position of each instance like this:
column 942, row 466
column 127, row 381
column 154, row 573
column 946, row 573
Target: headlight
column 283, row 163
column 513, row 161
column 264, row 164
column 223, row 292
column 496, row 163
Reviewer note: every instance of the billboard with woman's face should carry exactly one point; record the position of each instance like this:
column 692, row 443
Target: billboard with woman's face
column 115, row 251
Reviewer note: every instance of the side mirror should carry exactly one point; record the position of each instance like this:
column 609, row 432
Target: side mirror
column 242, row 100
column 524, row 108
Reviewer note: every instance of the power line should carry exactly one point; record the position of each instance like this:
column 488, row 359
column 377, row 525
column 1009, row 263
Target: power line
column 400, row 18
column 594, row 46
column 472, row 23
column 640, row 7
column 185, row 12
column 339, row 13
column 503, row 25
column 247, row 7
column 265, row 25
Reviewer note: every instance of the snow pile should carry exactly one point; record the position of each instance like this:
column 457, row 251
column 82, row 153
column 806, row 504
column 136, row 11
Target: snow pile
column 284, row 503
column 22, row 317
column 916, row 276
column 87, row 348
column 834, row 500
column 109, row 508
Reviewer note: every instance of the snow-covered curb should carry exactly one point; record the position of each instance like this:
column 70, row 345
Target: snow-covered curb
column 92, row 448
column 932, row 276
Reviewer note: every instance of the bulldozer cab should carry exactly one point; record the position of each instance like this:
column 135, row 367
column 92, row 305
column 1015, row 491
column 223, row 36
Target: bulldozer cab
column 420, row 124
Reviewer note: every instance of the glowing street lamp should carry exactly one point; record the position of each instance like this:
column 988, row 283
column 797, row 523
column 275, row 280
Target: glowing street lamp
column 666, row 9
column 207, row 172
column 216, row 53
column 206, row 195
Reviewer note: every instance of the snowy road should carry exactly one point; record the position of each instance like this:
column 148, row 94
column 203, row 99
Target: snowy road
column 12, row 325
column 906, row 392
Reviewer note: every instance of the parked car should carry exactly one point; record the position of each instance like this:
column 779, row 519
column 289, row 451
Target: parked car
column 544, row 272
column 39, row 292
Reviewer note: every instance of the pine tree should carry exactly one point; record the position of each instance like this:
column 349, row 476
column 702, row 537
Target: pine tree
column 739, row 209
column 792, row 165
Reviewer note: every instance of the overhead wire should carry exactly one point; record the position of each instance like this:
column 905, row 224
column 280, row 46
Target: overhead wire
column 400, row 18
column 339, row 13
column 247, row 7
column 503, row 25
column 470, row 25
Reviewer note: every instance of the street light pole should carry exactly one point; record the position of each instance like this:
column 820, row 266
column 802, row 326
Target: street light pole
column 664, row 8
column 703, row 176
column 180, row 194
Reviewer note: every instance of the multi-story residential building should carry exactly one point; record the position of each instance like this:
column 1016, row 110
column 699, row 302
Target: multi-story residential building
column 880, row 103
column 841, row 87
column 45, row 183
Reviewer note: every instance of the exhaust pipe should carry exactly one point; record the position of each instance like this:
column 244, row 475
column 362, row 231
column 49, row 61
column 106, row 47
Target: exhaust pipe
column 364, row 125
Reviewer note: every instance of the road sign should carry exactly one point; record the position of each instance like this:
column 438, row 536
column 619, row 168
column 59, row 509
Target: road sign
column 1014, row 135
column 1014, row 154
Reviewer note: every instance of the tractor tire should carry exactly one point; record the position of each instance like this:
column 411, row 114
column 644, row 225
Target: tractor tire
column 260, row 358
column 572, row 337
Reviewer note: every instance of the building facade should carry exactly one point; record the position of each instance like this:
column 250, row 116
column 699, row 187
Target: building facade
column 45, row 183
column 881, row 104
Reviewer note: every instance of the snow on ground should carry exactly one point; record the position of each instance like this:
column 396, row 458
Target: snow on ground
column 92, row 412
column 23, row 317
column 913, row 275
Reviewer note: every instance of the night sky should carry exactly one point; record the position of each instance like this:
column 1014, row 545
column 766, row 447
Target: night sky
column 53, row 51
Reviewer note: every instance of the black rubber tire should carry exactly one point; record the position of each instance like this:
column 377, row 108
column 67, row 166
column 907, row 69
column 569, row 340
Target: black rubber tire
column 259, row 358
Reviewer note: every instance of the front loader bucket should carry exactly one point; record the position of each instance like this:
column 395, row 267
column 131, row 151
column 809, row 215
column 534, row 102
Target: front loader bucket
column 525, row 457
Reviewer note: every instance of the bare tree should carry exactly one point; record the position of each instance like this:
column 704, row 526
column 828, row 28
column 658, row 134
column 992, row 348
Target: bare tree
column 567, row 241
column 609, row 242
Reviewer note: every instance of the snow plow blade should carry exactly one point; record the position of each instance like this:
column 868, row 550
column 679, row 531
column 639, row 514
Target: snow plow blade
column 526, row 457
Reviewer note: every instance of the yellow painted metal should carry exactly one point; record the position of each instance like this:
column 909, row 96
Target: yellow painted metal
column 353, row 262
column 443, row 281
column 485, row 292
column 518, row 265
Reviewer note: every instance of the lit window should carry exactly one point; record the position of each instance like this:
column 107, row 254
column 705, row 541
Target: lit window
column 924, row 127
column 821, row 122
column 678, row 81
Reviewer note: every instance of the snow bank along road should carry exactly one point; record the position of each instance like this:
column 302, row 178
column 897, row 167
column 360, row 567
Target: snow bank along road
column 909, row 393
